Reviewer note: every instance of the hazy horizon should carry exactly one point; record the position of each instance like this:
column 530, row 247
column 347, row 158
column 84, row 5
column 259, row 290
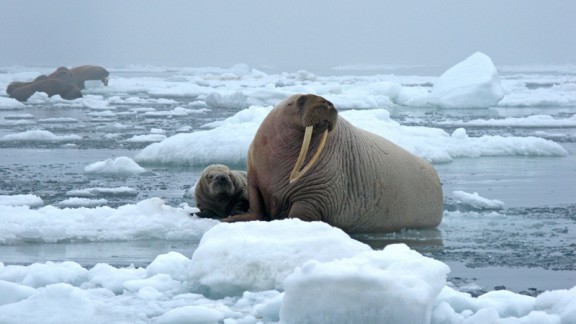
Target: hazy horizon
column 285, row 34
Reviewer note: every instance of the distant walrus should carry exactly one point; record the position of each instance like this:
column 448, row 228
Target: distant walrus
column 356, row 180
column 89, row 72
column 17, row 84
column 63, row 74
column 51, row 87
column 221, row 192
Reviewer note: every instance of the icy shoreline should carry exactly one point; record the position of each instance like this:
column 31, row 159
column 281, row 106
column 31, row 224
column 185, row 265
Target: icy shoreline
column 405, row 286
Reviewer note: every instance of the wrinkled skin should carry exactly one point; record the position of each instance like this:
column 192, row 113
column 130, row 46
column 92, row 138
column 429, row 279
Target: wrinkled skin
column 49, row 86
column 221, row 192
column 361, row 182
column 89, row 72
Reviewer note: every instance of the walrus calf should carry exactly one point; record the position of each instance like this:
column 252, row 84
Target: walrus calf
column 356, row 180
column 221, row 192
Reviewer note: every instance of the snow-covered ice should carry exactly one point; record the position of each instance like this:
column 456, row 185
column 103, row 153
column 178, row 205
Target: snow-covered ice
column 82, row 202
column 228, row 141
column 529, row 121
column 323, row 284
column 21, row 200
column 9, row 104
column 119, row 166
column 472, row 83
column 92, row 192
column 147, row 138
column 39, row 135
column 259, row 270
column 395, row 284
column 148, row 219
column 476, row 201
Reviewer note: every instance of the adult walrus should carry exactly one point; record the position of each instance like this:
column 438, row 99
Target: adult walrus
column 355, row 180
column 89, row 72
column 221, row 192
column 51, row 87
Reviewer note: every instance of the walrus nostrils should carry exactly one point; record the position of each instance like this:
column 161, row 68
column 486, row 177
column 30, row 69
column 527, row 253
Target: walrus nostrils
column 221, row 184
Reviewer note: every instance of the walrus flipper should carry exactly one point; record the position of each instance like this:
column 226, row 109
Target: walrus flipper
column 240, row 207
column 206, row 213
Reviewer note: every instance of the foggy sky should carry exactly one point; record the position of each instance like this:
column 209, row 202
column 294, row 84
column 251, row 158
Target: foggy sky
column 286, row 34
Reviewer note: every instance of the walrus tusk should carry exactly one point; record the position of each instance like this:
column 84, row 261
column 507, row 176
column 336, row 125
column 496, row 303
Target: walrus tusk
column 303, row 152
column 295, row 175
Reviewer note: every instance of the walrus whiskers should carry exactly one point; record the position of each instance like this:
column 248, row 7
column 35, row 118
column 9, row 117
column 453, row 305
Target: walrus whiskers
column 296, row 174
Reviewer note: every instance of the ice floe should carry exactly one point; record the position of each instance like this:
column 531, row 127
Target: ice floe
column 21, row 200
column 9, row 104
column 119, row 166
column 39, row 135
column 82, row 202
column 92, row 192
column 227, row 141
column 148, row 219
column 476, row 201
column 322, row 276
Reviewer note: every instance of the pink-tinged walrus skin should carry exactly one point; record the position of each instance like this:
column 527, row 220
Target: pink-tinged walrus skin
column 355, row 180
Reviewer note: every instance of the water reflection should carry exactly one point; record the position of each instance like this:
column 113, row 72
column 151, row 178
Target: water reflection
column 421, row 240
column 87, row 254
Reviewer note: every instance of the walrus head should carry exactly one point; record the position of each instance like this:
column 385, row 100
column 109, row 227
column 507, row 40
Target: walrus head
column 317, row 117
column 218, row 181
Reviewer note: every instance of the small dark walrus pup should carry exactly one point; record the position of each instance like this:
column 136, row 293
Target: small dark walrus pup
column 221, row 192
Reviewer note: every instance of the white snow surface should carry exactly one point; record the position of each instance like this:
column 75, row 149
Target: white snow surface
column 261, row 270
column 82, row 202
column 227, row 141
column 119, row 166
column 147, row 138
column 472, row 83
column 529, row 121
column 21, row 200
column 476, row 201
column 364, row 288
column 9, row 104
column 92, row 192
column 39, row 135
column 146, row 220
column 314, row 274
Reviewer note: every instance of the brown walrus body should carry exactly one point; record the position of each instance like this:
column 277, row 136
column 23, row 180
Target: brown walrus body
column 49, row 86
column 64, row 82
column 89, row 72
column 221, row 192
column 356, row 180
column 63, row 74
